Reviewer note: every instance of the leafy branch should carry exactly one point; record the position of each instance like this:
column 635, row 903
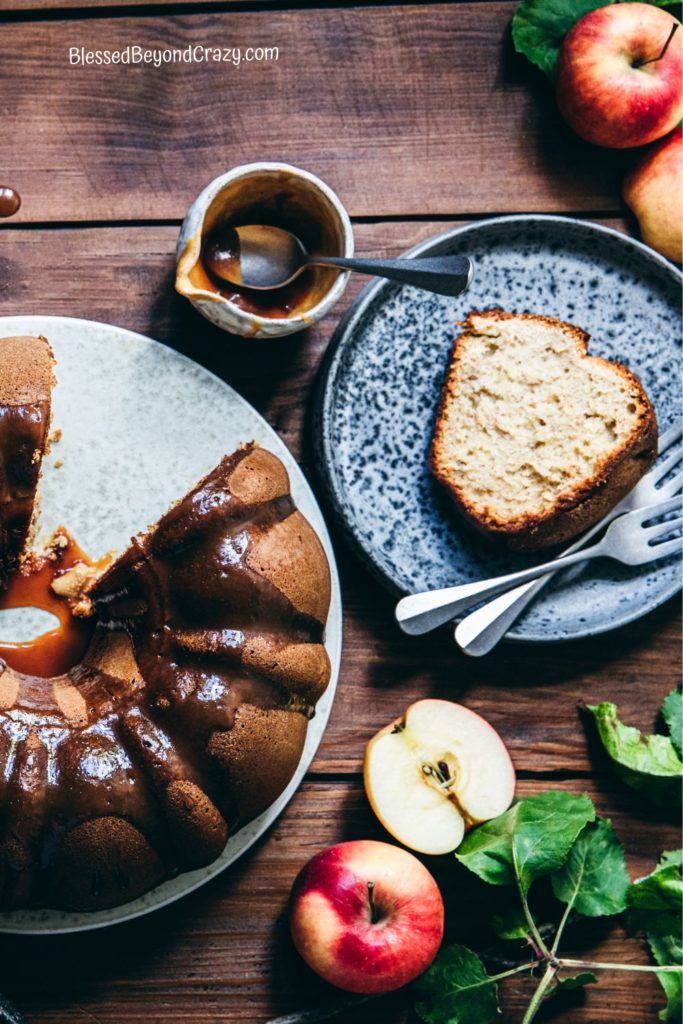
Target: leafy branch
column 556, row 835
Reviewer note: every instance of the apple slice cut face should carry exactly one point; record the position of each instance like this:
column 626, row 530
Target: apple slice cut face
column 432, row 775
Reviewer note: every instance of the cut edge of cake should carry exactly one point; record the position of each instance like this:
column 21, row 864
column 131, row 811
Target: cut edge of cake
column 27, row 381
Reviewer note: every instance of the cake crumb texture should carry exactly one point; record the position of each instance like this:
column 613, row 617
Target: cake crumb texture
column 535, row 440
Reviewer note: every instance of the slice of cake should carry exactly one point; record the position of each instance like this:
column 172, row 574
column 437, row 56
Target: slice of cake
column 536, row 440
column 26, row 382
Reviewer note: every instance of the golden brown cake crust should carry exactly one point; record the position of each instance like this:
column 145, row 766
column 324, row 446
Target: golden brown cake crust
column 259, row 755
column 102, row 863
column 588, row 500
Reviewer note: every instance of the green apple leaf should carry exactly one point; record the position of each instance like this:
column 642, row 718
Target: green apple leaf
column 672, row 983
column 672, row 712
column 574, row 981
column 656, row 907
column 655, row 902
column 539, row 27
column 666, row 950
column 545, row 830
column 510, row 924
column 487, row 849
column 648, row 764
column 456, row 990
column 594, row 879
column 671, row 858
column 530, row 839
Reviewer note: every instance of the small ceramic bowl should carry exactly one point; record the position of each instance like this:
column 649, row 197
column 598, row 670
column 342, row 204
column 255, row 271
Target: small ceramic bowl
column 266, row 193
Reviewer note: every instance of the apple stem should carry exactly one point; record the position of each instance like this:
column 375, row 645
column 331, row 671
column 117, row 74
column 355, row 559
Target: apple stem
column 538, row 944
column 653, row 60
column 518, row 969
column 374, row 916
column 599, row 966
column 560, row 928
column 539, row 995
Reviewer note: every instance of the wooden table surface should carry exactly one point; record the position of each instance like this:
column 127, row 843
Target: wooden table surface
column 420, row 117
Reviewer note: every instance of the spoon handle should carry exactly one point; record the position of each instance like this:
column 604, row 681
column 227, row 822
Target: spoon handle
column 444, row 275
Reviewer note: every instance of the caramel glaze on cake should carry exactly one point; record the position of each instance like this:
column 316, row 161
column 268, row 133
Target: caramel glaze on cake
column 188, row 714
column 25, row 396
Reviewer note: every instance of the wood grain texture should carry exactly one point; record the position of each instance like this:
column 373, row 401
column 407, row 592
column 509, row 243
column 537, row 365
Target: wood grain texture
column 412, row 110
column 76, row 8
column 71, row 7
column 124, row 276
column 404, row 110
column 224, row 954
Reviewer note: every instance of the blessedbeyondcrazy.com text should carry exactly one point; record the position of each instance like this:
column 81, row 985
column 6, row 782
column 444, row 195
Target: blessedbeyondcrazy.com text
column 194, row 54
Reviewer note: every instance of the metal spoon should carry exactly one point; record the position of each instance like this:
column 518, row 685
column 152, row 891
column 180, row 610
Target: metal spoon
column 262, row 257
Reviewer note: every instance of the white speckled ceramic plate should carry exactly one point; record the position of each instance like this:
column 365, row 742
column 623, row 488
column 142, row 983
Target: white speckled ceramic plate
column 380, row 386
column 140, row 425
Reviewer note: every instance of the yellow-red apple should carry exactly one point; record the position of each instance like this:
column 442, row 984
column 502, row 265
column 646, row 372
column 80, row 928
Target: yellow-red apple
column 435, row 772
column 619, row 77
column 366, row 916
column 654, row 191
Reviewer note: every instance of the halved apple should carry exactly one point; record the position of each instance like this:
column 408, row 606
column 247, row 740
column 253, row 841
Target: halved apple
column 435, row 772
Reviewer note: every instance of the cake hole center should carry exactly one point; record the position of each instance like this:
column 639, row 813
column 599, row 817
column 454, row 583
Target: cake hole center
column 39, row 635
column 25, row 625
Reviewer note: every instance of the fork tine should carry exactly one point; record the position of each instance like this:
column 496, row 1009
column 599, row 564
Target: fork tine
column 660, row 469
column 669, row 437
column 662, row 529
column 670, row 547
column 644, row 515
column 672, row 486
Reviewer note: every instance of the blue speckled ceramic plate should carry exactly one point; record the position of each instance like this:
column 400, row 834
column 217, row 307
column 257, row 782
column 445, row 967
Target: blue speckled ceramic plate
column 382, row 377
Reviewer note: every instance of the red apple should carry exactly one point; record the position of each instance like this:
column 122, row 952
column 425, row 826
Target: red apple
column 366, row 916
column 654, row 191
column 614, row 87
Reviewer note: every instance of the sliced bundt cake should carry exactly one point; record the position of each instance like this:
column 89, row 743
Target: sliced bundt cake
column 188, row 714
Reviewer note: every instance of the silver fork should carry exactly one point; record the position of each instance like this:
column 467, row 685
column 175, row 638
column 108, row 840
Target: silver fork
column 628, row 540
column 480, row 631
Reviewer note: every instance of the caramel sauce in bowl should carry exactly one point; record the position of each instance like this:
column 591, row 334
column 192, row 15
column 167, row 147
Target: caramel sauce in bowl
column 282, row 196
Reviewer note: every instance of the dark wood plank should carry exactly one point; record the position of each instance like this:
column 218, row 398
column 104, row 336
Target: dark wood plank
column 404, row 110
column 79, row 6
column 124, row 275
column 224, row 954
column 11, row 6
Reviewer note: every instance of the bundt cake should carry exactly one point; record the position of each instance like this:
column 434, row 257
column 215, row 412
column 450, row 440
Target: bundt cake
column 25, row 397
column 186, row 717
